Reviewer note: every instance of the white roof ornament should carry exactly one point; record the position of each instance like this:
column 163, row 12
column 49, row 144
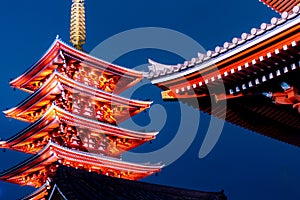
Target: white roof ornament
column 296, row 9
column 159, row 69
column 284, row 15
column 226, row 45
column 218, row 49
column 209, row 53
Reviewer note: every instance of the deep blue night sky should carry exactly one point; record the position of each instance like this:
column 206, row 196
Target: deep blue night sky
column 245, row 164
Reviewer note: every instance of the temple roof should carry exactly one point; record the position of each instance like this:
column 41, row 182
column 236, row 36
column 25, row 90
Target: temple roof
column 57, row 82
column 281, row 5
column 257, row 75
column 257, row 39
column 78, row 184
column 36, row 170
column 57, row 55
column 55, row 116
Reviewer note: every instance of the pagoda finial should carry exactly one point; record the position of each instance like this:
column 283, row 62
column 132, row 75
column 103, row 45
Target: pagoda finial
column 77, row 29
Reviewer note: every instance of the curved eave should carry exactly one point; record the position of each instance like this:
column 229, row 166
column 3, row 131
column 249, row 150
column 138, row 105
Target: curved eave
column 51, row 87
column 42, row 157
column 55, row 115
column 95, row 126
column 172, row 75
column 55, row 49
column 53, row 153
column 103, row 161
column 50, row 54
column 48, row 119
column 38, row 194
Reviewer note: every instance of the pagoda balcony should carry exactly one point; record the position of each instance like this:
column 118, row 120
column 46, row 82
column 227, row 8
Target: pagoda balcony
column 77, row 98
column 76, row 132
column 40, row 168
column 78, row 66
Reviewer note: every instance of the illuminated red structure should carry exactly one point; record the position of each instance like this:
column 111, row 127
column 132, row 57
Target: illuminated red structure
column 74, row 109
column 257, row 75
column 74, row 113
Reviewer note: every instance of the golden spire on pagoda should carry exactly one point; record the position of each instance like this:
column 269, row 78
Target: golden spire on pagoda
column 77, row 29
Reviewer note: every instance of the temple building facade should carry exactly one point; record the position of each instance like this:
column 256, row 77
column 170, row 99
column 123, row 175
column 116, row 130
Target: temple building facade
column 251, row 81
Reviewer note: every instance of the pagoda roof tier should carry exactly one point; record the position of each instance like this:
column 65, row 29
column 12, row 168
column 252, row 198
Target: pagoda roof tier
column 61, row 54
column 281, row 5
column 36, row 170
column 90, row 135
column 36, row 104
column 260, row 76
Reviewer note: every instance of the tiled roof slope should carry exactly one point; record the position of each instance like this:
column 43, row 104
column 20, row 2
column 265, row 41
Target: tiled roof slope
column 281, row 5
column 158, row 71
column 77, row 185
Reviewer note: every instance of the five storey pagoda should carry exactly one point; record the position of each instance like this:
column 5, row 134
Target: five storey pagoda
column 74, row 109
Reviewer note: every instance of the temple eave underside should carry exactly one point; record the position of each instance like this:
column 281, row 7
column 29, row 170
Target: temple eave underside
column 78, row 99
column 74, row 131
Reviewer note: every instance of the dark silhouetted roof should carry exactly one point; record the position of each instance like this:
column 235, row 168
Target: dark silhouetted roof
column 78, row 185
